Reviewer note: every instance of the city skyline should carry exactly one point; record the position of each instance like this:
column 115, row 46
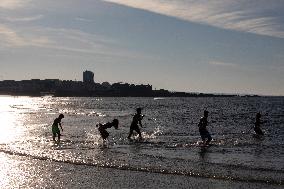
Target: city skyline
column 191, row 46
column 90, row 80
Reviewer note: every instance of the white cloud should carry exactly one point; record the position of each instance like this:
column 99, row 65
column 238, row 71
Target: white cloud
column 243, row 15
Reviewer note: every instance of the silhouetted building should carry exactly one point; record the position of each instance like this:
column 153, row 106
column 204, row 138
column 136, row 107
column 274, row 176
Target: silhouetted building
column 106, row 85
column 56, row 87
column 88, row 77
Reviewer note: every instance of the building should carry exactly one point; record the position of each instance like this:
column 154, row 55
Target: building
column 88, row 77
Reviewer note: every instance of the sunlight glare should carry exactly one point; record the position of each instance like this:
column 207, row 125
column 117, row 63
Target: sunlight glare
column 9, row 116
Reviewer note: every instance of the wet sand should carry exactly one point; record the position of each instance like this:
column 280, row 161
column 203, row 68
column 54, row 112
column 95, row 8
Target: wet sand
column 26, row 172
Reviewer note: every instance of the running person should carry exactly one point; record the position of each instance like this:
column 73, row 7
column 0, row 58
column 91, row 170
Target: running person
column 135, row 122
column 203, row 130
column 102, row 128
column 55, row 128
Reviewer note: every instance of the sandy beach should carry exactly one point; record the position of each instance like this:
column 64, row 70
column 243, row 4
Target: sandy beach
column 25, row 172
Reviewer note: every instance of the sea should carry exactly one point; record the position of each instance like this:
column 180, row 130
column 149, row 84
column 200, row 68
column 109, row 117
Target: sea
column 171, row 143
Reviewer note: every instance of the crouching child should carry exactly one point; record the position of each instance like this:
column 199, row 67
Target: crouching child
column 102, row 128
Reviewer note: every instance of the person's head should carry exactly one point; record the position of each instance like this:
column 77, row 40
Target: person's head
column 206, row 113
column 139, row 110
column 115, row 123
column 61, row 116
column 258, row 115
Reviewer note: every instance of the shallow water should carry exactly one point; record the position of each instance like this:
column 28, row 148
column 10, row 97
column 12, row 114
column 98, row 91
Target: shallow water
column 171, row 138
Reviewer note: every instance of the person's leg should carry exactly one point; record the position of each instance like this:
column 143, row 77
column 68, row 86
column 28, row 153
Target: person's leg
column 130, row 133
column 258, row 131
column 202, row 135
column 58, row 135
column 53, row 136
column 105, row 135
column 209, row 138
column 139, row 132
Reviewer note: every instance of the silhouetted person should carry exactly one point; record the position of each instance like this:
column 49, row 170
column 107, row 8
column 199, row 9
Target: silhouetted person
column 135, row 121
column 203, row 130
column 102, row 128
column 55, row 128
column 257, row 123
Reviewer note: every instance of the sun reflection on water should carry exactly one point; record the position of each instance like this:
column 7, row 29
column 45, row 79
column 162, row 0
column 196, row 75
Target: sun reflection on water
column 12, row 122
column 10, row 174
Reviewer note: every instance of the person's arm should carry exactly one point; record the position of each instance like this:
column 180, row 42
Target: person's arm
column 206, row 123
column 139, row 121
column 201, row 123
column 60, row 126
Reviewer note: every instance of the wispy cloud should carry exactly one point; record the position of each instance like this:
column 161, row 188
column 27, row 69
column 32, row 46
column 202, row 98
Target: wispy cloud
column 224, row 64
column 13, row 38
column 253, row 16
column 83, row 19
column 8, row 37
column 13, row 4
column 24, row 19
column 65, row 40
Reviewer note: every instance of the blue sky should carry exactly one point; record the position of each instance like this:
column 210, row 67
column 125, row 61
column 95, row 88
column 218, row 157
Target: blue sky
column 224, row 46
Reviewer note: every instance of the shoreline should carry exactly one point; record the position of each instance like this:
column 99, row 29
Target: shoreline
column 34, row 173
column 139, row 96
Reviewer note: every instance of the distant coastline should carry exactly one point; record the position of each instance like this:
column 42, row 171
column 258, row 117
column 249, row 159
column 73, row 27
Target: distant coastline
column 69, row 88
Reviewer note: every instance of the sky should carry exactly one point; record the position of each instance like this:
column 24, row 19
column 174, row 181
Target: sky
column 220, row 46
